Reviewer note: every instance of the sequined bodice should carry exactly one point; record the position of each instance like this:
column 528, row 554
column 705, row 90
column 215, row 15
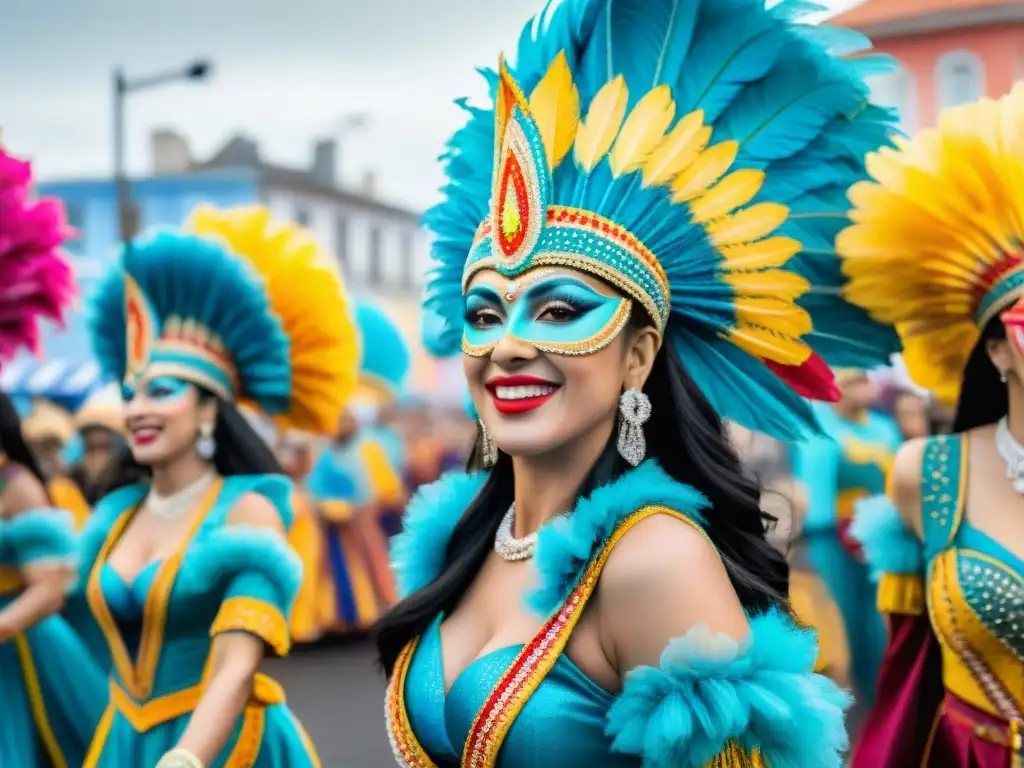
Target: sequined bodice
column 562, row 723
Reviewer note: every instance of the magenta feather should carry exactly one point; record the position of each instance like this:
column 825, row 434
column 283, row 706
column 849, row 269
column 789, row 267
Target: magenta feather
column 36, row 281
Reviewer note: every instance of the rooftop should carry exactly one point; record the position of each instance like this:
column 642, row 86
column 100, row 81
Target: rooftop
column 887, row 18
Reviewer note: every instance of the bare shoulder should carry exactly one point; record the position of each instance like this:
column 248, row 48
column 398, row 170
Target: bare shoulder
column 661, row 580
column 255, row 511
column 22, row 492
column 905, row 482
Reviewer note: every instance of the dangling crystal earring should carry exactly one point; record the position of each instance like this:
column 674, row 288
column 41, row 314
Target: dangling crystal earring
column 206, row 446
column 1002, row 376
column 634, row 411
column 488, row 450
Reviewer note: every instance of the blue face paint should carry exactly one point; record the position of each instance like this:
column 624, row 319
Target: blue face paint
column 558, row 314
column 160, row 389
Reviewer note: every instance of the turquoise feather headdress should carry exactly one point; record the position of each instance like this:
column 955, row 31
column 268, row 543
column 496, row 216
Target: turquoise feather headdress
column 386, row 359
column 696, row 155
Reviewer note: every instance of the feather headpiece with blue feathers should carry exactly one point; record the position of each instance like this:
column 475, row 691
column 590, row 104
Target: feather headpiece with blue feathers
column 693, row 154
column 250, row 309
column 385, row 360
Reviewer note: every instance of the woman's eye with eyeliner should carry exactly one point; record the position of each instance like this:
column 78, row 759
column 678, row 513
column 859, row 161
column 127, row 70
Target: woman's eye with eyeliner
column 560, row 312
column 483, row 318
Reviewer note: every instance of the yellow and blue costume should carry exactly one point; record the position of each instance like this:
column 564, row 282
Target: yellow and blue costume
column 49, row 422
column 848, row 464
column 359, row 482
column 935, row 250
column 251, row 310
column 695, row 156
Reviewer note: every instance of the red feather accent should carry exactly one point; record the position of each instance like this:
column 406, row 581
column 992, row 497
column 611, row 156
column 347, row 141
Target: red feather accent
column 813, row 380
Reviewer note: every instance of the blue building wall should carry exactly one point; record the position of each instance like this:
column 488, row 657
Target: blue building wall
column 64, row 371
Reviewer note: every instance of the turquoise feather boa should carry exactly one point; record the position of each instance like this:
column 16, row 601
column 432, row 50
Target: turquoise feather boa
column 709, row 690
column 888, row 546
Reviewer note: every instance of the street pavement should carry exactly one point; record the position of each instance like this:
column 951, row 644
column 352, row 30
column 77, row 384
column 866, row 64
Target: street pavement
column 337, row 692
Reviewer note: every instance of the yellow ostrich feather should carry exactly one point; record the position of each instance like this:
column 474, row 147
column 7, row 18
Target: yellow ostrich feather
column 782, row 316
column 707, row 169
column 604, row 118
column 555, row 107
column 766, row 344
column 307, row 294
column 677, row 150
column 764, row 254
column 749, row 224
column 643, row 131
column 936, row 242
column 777, row 283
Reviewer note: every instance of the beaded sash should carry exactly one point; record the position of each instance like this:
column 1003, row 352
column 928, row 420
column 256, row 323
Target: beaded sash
column 504, row 703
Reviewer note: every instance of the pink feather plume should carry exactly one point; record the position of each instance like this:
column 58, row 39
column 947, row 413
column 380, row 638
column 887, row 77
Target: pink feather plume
column 36, row 280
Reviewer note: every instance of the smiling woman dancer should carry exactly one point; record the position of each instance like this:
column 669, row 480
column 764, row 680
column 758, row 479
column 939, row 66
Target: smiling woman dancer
column 189, row 576
column 936, row 250
column 633, row 283
column 46, row 718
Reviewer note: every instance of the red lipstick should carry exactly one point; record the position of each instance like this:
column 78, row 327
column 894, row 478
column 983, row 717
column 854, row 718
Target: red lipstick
column 518, row 394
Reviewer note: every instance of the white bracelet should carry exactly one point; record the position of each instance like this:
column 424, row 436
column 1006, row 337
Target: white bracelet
column 180, row 758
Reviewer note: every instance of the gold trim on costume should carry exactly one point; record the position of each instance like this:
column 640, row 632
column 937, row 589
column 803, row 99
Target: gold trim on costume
column 255, row 617
column 35, row 698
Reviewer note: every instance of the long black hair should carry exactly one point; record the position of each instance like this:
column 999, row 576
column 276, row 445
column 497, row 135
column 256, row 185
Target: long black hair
column 983, row 397
column 688, row 439
column 240, row 450
column 12, row 441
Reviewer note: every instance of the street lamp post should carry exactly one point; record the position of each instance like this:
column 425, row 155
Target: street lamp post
column 122, row 86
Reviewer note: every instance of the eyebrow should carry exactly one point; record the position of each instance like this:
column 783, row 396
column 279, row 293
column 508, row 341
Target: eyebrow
column 543, row 288
column 485, row 291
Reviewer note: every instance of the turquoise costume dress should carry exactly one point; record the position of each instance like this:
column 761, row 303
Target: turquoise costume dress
column 47, row 716
column 160, row 629
column 247, row 309
column 761, row 697
column 682, row 166
column 849, row 464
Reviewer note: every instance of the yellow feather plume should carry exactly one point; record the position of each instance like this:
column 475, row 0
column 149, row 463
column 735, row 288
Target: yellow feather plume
column 677, row 150
column 604, row 118
column 643, row 131
column 734, row 191
column 555, row 107
column 707, row 169
column 777, row 283
column 783, row 317
column 307, row 294
column 748, row 225
column 764, row 254
column 942, row 211
column 766, row 345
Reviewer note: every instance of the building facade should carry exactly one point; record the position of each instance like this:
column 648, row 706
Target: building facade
column 951, row 52
column 380, row 248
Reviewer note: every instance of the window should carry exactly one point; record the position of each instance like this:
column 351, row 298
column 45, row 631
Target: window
column 408, row 256
column 302, row 216
column 375, row 267
column 895, row 90
column 341, row 241
column 76, row 220
column 959, row 78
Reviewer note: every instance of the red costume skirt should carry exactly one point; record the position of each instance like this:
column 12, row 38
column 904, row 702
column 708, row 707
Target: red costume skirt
column 966, row 737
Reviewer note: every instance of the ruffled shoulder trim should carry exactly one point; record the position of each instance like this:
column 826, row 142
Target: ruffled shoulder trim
column 888, row 546
column 231, row 551
column 276, row 489
column 567, row 544
column 39, row 534
column 418, row 552
column 711, row 691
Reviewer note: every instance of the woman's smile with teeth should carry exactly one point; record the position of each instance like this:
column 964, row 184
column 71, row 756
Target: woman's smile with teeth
column 523, row 392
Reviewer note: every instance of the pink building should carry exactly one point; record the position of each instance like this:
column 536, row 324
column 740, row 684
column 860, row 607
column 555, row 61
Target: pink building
column 952, row 51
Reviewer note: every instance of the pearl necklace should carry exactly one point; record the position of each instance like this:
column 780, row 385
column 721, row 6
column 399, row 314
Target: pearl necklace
column 1012, row 453
column 508, row 546
column 176, row 505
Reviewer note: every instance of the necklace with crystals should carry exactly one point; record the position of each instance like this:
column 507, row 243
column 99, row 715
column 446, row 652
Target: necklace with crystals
column 1012, row 453
column 508, row 546
column 178, row 504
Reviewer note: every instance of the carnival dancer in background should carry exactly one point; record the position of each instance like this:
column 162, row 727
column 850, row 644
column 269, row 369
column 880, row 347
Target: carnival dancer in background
column 104, row 463
column 50, row 432
column 355, row 481
column 189, row 576
column 47, row 715
column 621, row 256
column 849, row 462
column 936, row 251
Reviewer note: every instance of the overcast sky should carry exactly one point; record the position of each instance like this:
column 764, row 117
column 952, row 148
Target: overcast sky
column 285, row 73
